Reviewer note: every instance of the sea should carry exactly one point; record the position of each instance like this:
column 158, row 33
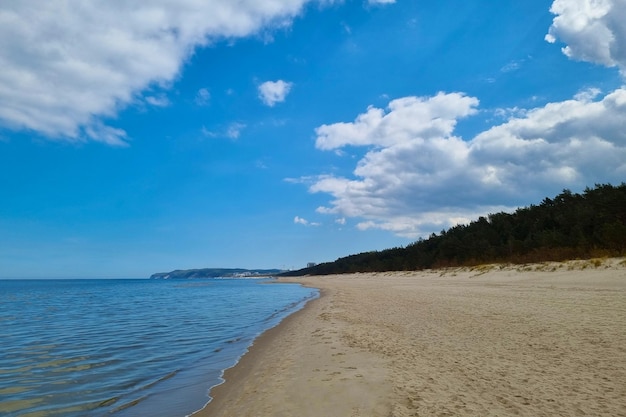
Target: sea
column 129, row 347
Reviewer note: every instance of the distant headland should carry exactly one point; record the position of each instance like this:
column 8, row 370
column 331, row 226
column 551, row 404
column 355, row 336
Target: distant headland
column 215, row 273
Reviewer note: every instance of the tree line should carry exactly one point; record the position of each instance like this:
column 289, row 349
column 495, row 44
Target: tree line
column 569, row 226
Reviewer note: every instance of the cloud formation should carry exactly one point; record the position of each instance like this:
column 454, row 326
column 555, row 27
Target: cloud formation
column 304, row 222
column 406, row 119
column 594, row 30
column 203, row 97
column 66, row 65
column 272, row 92
column 232, row 131
column 418, row 177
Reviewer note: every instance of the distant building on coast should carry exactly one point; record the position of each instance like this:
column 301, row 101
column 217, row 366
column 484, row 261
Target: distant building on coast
column 310, row 264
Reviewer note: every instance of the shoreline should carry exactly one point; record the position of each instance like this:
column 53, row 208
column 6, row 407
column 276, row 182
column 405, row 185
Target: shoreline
column 250, row 387
column 240, row 370
column 530, row 340
column 243, row 368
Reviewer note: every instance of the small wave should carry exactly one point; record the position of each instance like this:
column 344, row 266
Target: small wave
column 108, row 402
column 129, row 404
column 164, row 378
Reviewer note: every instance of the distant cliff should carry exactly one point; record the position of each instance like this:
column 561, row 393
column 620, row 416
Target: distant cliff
column 215, row 273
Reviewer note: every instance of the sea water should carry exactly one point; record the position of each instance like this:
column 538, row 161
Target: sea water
column 128, row 347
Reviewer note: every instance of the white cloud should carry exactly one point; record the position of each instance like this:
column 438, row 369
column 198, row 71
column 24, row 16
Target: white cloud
column 203, row 97
column 381, row 1
column 232, row 131
column 304, row 222
column 418, row 177
column 588, row 94
column 158, row 101
column 96, row 131
column 300, row 220
column 594, row 30
column 512, row 66
column 272, row 92
column 406, row 118
column 68, row 64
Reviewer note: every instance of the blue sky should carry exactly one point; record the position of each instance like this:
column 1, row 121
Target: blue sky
column 138, row 138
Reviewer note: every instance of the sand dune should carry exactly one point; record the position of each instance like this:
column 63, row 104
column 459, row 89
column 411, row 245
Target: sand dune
column 534, row 340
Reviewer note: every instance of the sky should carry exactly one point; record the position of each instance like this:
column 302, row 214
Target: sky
column 147, row 136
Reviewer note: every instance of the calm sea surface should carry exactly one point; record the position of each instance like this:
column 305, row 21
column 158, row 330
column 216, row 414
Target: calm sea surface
column 128, row 347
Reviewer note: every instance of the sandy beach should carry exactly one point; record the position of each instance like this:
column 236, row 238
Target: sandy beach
column 531, row 340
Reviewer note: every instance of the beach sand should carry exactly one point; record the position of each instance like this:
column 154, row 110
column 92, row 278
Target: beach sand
column 532, row 340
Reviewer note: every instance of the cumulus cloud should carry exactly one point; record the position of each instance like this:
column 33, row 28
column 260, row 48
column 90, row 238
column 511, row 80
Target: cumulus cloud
column 594, row 30
column 405, row 119
column 66, row 65
column 272, row 92
column 304, row 222
column 300, row 220
column 418, row 177
column 381, row 1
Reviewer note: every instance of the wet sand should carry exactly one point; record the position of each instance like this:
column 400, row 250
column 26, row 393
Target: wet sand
column 532, row 340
